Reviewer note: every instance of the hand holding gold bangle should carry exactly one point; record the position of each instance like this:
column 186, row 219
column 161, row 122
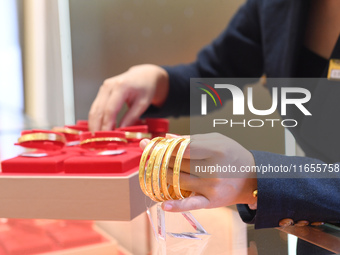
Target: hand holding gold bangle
column 153, row 175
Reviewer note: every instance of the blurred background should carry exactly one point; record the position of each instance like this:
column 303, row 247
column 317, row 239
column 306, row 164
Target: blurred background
column 55, row 54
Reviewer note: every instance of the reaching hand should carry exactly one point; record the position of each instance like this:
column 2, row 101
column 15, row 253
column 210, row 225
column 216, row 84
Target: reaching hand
column 139, row 87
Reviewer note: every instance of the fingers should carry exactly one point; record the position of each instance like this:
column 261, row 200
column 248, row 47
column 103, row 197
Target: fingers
column 187, row 204
column 186, row 181
column 197, row 149
column 138, row 107
column 143, row 143
column 96, row 112
column 174, row 152
column 106, row 106
column 185, row 165
column 112, row 107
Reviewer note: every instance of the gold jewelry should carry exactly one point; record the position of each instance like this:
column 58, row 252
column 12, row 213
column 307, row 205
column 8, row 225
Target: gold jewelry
column 103, row 139
column 42, row 137
column 143, row 160
column 150, row 183
column 255, row 193
column 177, row 168
column 158, row 191
column 160, row 151
column 137, row 135
column 66, row 130
column 164, row 168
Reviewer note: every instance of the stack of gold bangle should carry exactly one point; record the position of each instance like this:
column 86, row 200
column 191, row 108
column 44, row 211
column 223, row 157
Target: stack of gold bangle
column 154, row 165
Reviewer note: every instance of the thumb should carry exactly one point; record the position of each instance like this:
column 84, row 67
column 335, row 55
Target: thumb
column 187, row 204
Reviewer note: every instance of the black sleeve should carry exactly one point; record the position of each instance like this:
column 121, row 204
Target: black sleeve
column 299, row 194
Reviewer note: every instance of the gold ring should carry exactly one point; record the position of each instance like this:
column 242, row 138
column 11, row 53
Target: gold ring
column 103, row 139
column 165, row 165
column 143, row 160
column 42, row 137
column 177, row 168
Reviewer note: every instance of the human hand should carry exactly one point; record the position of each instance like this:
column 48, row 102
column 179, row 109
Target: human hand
column 219, row 189
column 139, row 87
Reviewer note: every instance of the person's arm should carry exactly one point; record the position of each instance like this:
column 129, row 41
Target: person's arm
column 296, row 195
column 165, row 91
column 299, row 198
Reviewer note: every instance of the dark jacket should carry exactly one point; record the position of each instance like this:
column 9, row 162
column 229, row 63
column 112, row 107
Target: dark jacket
column 264, row 37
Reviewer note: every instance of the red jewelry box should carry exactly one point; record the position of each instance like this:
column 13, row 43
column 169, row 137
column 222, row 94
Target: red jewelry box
column 157, row 126
column 106, row 152
column 48, row 157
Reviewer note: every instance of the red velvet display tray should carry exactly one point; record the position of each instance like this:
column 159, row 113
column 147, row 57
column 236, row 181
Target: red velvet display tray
column 76, row 182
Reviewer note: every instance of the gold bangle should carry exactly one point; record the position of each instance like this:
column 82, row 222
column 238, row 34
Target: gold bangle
column 255, row 193
column 185, row 193
column 66, row 130
column 137, row 135
column 156, row 169
column 42, row 137
column 150, row 169
column 143, row 160
column 164, row 168
column 177, row 168
column 103, row 139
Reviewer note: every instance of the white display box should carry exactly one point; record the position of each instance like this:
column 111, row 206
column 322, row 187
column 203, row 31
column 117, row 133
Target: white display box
column 81, row 197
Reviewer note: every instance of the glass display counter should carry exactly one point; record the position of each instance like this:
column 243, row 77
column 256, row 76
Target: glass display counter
column 227, row 235
column 135, row 234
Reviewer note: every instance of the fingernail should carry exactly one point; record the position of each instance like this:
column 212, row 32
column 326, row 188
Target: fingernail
column 167, row 207
column 143, row 143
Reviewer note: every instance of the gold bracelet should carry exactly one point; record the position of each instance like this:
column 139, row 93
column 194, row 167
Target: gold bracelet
column 177, row 168
column 143, row 160
column 185, row 193
column 150, row 170
column 103, row 139
column 137, row 135
column 164, row 168
column 158, row 191
column 66, row 130
column 42, row 137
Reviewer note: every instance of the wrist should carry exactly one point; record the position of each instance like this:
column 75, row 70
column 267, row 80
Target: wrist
column 162, row 87
column 250, row 182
